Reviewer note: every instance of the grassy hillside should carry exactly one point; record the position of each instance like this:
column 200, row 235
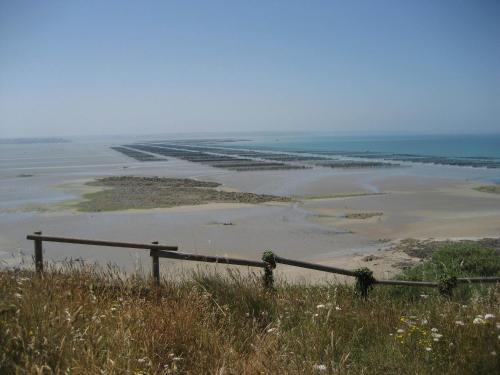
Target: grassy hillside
column 82, row 320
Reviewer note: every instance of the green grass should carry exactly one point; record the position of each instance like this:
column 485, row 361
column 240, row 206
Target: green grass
column 459, row 260
column 82, row 319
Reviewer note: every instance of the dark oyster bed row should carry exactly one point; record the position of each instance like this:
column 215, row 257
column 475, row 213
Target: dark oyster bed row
column 212, row 158
column 137, row 155
column 297, row 159
column 239, row 159
column 476, row 162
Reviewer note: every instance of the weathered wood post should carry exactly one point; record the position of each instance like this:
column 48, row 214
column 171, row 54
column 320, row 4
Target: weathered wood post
column 155, row 264
column 38, row 253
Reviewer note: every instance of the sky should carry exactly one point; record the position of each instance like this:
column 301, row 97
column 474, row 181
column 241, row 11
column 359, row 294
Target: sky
column 145, row 67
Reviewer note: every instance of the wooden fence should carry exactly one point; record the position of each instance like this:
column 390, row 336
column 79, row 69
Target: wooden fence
column 364, row 276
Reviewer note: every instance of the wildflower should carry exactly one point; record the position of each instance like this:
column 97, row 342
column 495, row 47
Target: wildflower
column 320, row 306
column 142, row 360
column 338, row 308
column 493, row 353
column 316, row 315
column 489, row 316
column 424, row 296
column 459, row 323
column 424, row 322
column 428, row 349
column 400, row 331
column 18, row 296
column 434, row 329
column 319, row 368
column 436, row 336
column 271, row 330
column 478, row 320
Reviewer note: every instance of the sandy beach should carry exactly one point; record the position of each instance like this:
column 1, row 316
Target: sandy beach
column 334, row 216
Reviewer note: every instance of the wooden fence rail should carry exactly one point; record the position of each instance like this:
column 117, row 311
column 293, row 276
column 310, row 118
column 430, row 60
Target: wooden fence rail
column 363, row 276
column 38, row 238
column 313, row 266
column 208, row 259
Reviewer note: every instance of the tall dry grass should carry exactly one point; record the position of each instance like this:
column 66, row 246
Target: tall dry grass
column 85, row 320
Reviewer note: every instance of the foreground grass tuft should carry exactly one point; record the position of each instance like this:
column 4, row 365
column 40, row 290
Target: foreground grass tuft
column 86, row 321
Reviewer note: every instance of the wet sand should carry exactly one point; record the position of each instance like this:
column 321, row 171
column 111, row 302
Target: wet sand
column 362, row 212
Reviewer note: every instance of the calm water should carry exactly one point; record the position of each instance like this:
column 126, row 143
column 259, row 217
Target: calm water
column 452, row 146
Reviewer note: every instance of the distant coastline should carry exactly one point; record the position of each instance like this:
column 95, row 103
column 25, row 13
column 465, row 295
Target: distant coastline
column 20, row 141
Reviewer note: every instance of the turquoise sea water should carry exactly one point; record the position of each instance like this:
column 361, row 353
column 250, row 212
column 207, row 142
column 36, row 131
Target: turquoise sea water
column 480, row 151
column 450, row 146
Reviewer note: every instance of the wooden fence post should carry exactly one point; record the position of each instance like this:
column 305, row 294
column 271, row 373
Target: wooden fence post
column 38, row 253
column 155, row 264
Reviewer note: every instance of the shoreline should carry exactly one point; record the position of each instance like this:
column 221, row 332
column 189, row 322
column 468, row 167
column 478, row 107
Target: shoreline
column 337, row 217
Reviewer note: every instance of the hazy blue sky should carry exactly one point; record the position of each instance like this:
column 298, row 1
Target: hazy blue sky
column 104, row 67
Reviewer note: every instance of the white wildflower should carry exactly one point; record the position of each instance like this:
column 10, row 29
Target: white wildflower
column 142, row 360
column 271, row 330
column 320, row 306
column 428, row 349
column 424, row 322
column 478, row 320
column 18, row 296
column 400, row 331
column 434, row 329
column 493, row 353
column 459, row 323
column 489, row 316
column 319, row 368
column 424, row 296
column 316, row 315
column 338, row 308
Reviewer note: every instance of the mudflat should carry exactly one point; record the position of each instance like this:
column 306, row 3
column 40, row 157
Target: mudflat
column 323, row 215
